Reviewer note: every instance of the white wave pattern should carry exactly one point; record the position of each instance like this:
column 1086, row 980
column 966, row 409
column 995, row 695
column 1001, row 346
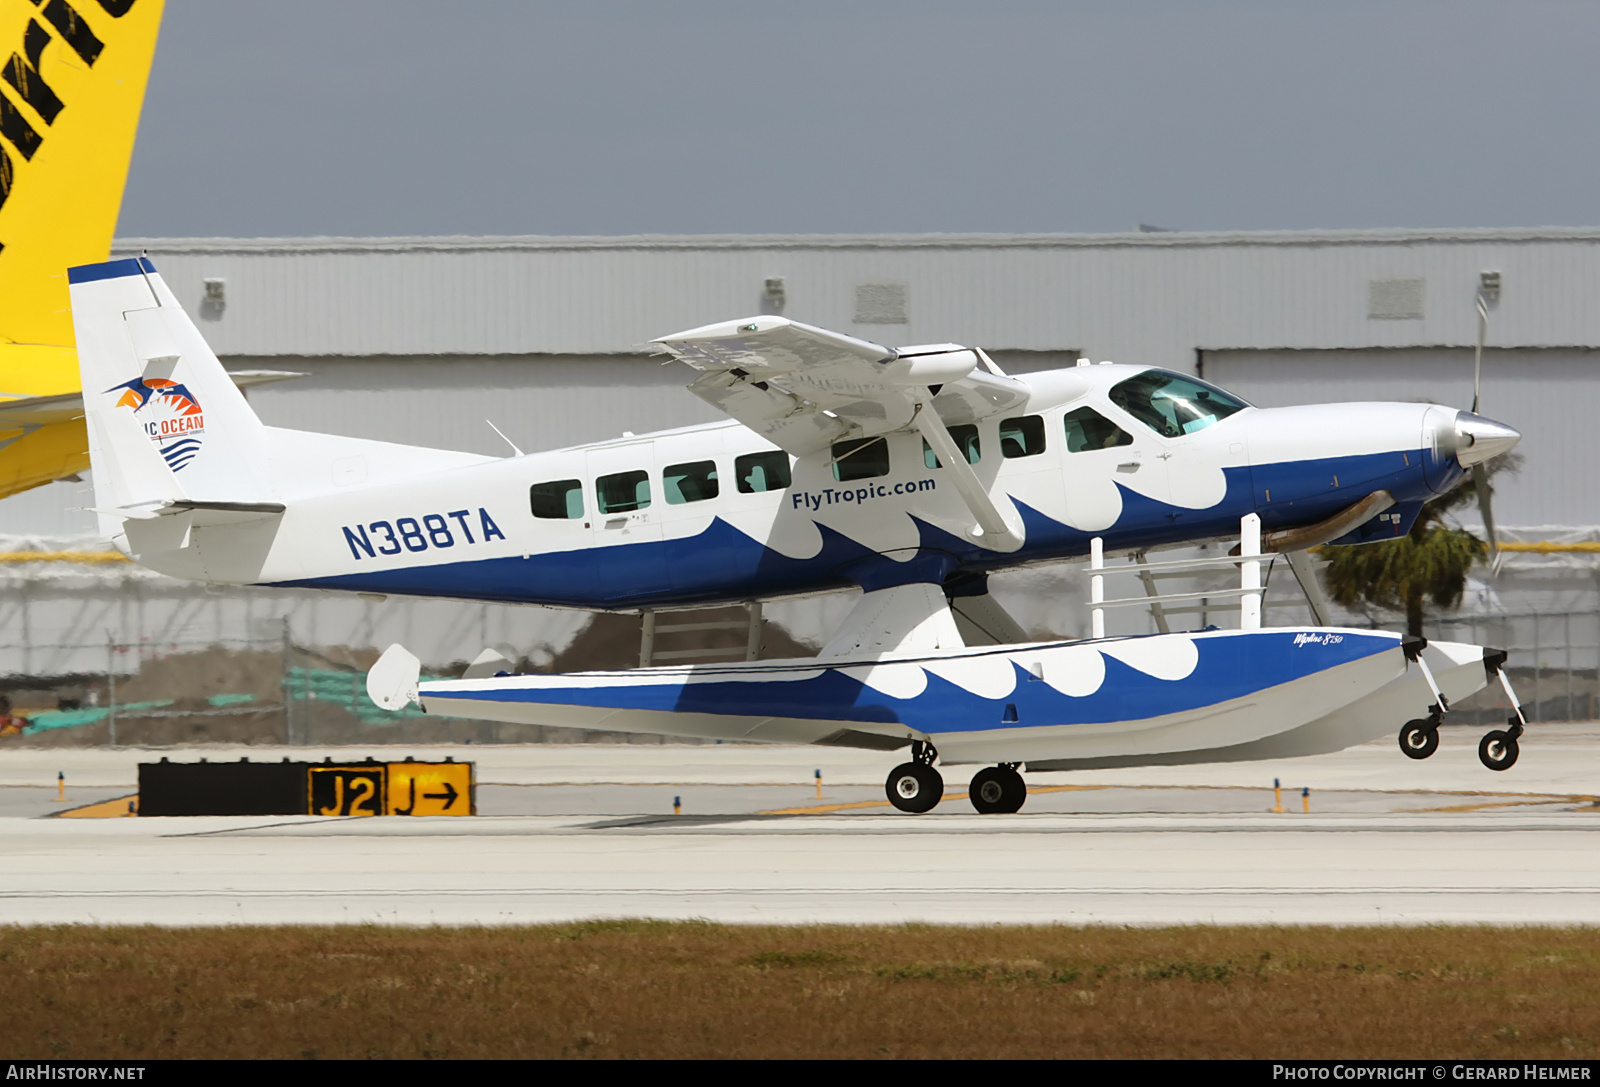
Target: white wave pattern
column 1077, row 671
column 904, row 681
column 1163, row 658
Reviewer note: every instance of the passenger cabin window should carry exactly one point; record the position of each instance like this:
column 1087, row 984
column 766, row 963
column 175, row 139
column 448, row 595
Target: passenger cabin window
column 1087, row 429
column 1022, row 437
column 757, row 472
column 561, row 500
column 689, row 482
column 860, row 458
column 965, row 435
column 1173, row 405
column 624, row 492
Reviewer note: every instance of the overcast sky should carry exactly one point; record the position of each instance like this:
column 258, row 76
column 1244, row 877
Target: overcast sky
column 361, row 117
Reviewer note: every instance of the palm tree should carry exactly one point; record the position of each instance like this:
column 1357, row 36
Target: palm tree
column 1430, row 562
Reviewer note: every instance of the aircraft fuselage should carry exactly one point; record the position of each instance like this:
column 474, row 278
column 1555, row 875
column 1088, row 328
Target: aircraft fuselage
column 627, row 530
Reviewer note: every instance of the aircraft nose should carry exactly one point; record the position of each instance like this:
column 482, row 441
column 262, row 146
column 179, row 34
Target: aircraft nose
column 1479, row 439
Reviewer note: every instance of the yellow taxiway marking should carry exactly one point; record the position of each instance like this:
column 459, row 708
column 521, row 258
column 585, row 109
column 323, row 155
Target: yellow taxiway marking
column 105, row 809
column 1508, row 803
column 823, row 809
column 1523, row 798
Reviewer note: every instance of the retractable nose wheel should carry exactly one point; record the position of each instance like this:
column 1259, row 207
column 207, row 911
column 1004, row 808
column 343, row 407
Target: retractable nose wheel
column 1420, row 738
column 997, row 790
column 914, row 787
column 1498, row 750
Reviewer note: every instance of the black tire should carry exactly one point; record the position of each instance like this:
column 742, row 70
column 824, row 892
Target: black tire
column 1498, row 750
column 913, row 787
column 997, row 790
column 1419, row 738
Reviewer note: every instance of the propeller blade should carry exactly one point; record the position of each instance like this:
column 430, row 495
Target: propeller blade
column 1477, row 357
column 1480, row 480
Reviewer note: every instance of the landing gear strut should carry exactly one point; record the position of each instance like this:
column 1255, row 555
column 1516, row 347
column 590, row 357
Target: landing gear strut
column 1420, row 738
column 998, row 790
column 915, row 786
column 1498, row 749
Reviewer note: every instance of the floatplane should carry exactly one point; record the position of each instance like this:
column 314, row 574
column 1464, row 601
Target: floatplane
column 909, row 474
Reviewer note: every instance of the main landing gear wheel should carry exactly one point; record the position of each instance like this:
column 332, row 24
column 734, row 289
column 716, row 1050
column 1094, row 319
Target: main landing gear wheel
column 1498, row 750
column 914, row 787
column 1420, row 738
column 997, row 790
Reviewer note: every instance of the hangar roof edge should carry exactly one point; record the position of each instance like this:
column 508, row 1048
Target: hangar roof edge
column 1172, row 239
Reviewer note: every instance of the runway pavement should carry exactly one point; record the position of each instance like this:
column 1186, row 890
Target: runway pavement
column 587, row 831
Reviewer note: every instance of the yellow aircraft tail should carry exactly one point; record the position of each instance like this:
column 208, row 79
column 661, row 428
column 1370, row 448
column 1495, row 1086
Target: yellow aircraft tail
column 70, row 94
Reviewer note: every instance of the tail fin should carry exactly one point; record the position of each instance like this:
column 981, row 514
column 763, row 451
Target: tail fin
column 168, row 428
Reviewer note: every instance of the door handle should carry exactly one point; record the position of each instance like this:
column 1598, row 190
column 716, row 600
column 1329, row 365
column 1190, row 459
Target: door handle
column 1129, row 466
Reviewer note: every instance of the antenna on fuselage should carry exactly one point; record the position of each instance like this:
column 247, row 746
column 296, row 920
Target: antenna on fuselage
column 508, row 441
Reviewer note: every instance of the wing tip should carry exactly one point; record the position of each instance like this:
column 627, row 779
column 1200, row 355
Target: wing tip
column 723, row 330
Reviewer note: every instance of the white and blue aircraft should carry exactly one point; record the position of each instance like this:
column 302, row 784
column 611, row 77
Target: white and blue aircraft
column 910, row 474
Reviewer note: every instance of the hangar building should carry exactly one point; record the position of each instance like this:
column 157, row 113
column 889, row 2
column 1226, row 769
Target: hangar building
column 421, row 340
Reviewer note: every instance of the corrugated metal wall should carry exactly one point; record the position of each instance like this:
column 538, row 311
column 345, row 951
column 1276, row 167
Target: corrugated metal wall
column 1134, row 298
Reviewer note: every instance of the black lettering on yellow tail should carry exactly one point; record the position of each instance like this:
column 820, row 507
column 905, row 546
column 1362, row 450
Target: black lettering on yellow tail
column 74, row 30
column 23, row 74
column 15, row 127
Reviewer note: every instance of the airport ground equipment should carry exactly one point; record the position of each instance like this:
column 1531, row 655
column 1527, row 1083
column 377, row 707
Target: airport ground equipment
column 289, row 787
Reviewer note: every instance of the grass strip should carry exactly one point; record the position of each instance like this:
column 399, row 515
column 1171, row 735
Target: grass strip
column 653, row 989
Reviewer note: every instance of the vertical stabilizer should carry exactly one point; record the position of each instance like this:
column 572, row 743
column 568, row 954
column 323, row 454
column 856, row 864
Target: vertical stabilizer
column 165, row 421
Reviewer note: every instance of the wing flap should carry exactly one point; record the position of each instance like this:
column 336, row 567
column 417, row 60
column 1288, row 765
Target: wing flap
column 803, row 388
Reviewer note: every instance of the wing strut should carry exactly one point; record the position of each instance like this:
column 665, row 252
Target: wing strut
column 993, row 529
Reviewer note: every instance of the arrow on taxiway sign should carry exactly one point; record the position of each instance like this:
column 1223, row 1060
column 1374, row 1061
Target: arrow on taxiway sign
column 448, row 796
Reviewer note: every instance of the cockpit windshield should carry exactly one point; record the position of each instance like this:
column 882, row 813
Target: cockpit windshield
column 1173, row 405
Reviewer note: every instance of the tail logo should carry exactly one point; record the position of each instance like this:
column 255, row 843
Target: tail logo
column 169, row 414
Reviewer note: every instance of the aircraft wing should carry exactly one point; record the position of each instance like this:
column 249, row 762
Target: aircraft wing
column 37, row 411
column 804, row 388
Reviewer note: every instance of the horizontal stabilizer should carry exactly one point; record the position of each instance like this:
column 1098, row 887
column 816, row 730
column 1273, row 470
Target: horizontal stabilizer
column 392, row 681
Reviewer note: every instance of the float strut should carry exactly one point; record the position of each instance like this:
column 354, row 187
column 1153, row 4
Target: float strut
column 1413, row 647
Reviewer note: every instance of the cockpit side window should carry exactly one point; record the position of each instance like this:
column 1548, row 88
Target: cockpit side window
column 1022, row 437
column 1173, row 405
column 1087, row 429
